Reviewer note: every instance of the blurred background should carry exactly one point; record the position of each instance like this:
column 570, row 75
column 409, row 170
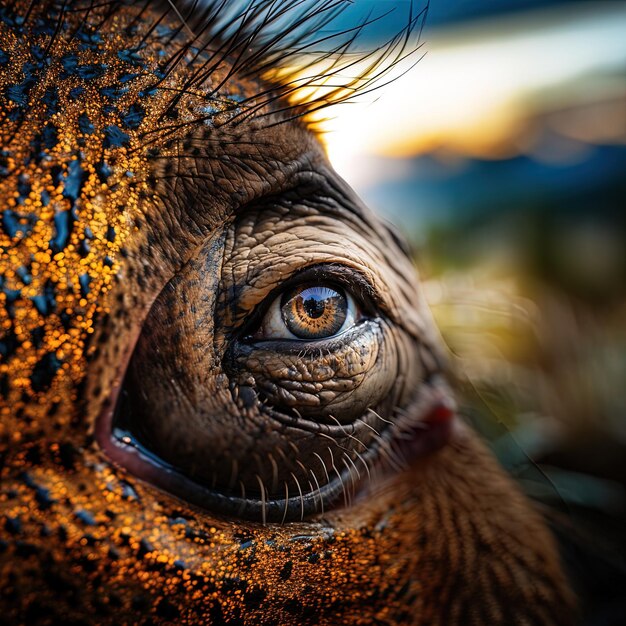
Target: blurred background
column 502, row 157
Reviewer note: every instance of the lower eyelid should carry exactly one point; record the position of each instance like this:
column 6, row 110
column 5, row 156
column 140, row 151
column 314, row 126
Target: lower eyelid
column 312, row 378
column 307, row 359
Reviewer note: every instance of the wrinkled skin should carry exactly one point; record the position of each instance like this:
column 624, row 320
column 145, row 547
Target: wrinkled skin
column 178, row 256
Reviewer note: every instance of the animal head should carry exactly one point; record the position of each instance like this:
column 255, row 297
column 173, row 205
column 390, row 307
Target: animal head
column 223, row 397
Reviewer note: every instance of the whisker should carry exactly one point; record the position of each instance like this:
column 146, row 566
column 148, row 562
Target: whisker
column 301, row 496
column 323, row 466
column 339, row 476
column 319, row 490
column 380, row 417
column 263, row 505
column 365, row 465
column 274, row 465
column 286, row 504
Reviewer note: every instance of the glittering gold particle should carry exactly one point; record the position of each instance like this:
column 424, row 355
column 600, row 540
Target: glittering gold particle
column 77, row 121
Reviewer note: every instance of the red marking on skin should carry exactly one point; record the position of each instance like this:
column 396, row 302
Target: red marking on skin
column 440, row 415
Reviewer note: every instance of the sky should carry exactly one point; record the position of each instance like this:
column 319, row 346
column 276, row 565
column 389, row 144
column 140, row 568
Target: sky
column 480, row 79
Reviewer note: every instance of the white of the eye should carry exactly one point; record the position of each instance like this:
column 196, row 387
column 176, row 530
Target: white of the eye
column 273, row 326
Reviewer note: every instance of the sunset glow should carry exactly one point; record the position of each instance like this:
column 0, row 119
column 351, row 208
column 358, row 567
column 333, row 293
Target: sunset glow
column 478, row 84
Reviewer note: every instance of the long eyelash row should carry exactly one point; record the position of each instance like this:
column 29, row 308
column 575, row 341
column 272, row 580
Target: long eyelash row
column 351, row 468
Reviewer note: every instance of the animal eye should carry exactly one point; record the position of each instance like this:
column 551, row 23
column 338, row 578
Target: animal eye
column 309, row 312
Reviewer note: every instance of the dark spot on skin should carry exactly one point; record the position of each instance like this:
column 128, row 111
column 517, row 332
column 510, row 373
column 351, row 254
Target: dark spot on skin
column 254, row 597
column 67, row 455
column 166, row 609
column 293, row 606
column 45, row 531
column 23, row 187
column 66, row 320
column 33, row 457
column 114, row 137
column 133, row 118
column 74, row 180
column 50, row 136
column 24, row 275
column 90, row 71
column 113, row 92
column 140, row 603
column 126, row 78
column 38, row 52
column 13, row 525
column 4, row 163
column 69, row 62
column 85, row 125
column 63, row 224
column 128, row 492
column 46, row 303
column 89, row 37
column 51, row 100
column 11, row 296
column 25, row 549
column 131, row 57
column 56, row 173
column 19, row 93
column 84, row 281
column 76, row 92
column 4, row 386
column 104, row 171
column 27, row 479
column 43, row 498
column 285, row 571
column 37, row 335
column 85, row 517
column 145, row 547
column 44, row 372
column 84, row 248
column 62, row 532
column 8, row 344
column 15, row 224
column 149, row 91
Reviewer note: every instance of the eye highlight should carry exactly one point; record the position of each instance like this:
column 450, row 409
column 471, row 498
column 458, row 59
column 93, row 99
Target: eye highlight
column 309, row 312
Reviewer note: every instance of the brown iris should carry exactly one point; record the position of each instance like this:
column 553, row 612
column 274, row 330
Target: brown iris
column 314, row 312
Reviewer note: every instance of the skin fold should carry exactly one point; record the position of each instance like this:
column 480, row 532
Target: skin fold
column 140, row 250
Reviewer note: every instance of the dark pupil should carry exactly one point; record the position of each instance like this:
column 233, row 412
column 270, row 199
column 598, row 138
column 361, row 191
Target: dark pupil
column 314, row 312
column 314, row 307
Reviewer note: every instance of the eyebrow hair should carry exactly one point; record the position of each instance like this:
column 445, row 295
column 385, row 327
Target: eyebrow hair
column 306, row 65
column 291, row 44
column 294, row 50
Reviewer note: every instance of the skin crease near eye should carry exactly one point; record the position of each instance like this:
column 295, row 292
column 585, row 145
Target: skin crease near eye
column 223, row 398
